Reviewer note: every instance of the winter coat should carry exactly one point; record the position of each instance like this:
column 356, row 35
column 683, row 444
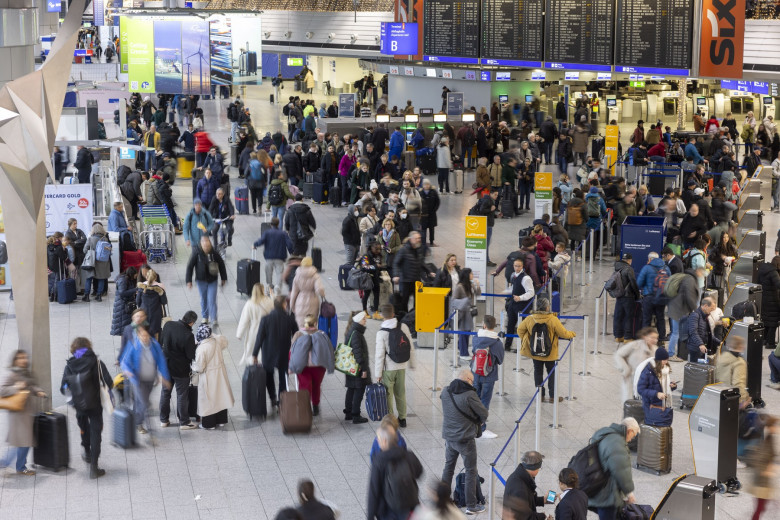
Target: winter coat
column 759, row 459
column 430, row 205
column 700, row 333
column 350, row 233
column 274, row 337
column 214, row 392
column 731, row 369
column 287, row 195
column 199, row 262
column 382, row 361
column 554, row 327
column 206, row 189
column 102, row 270
column 649, row 386
column 580, row 137
column 377, row 503
column 131, row 362
column 311, row 348
column 313, row 509
column 408, row 264
column 192, row 232
column 687, row 298
column 578, row 233
column 83, row 165
column 20, row 424
column 152, row 299
column 461, row 302
column 307, row 289
column 443, row 157
column 87, row 363
column 178, row 344
column 769, row 278
column 647, row 276
column 691, row 224
column 462, row 412
column 249, row 324
column 629, row 280
column 299, row 222
column 522, row 486
column 355, row 338
column 630, row 355
column 276, row 244
column 444, row 279
column 616, row 461
column 593, row 222
column 125, row 293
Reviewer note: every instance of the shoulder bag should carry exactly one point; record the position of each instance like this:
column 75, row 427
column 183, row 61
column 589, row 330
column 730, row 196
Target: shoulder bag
column 89, row 260
column 16, row 402
column 106, row 397
column 475, row 420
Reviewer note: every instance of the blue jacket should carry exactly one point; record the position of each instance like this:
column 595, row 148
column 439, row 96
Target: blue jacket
column 190, row 227
column 699, row 333
column 593, row 222
column 647, row 276
column 276, row 244
column 189, row 141
column 485, row 339
column 692, row 151
column 396, row 145
column 207, row 189
column 648, row 387
column 130, row 362
column 375, row 447
column 116, row 221
column 214, row 163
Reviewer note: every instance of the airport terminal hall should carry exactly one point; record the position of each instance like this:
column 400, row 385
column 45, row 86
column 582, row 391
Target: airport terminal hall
column 389, row 260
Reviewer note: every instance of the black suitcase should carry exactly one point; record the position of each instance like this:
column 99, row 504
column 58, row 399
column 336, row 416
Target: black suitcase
column 316, row 258
column 428, row 164
column 124, row 427
column 308, row 190
column 633, row 408
column 234, row 155
column 272, row 98
column 319, row 193
column 754, row 355
column 247, row 274
column 654, row 450
column 253, row 391
column 51, row 436
column 508, row 204
column 265, row 226
column 343, row 275
column 192, row 404
column 334, row 196
column 695, row 377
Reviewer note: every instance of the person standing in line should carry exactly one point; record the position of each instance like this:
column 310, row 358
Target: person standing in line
column 311, row 355
column 464, row 300
column 625, row 304
column 197, row 223
column 392, row 358
column 487, row 339
column 152, row 298
column 444, row 164
column 208, row 267
column 350, row 234
column 356, row 385
column 521, row 297
column 573, row 503
column 215, row 396
column 300, row 224
column 102, row 268
column 655, row 388
column 307, row 291
column 276, row 244
column 408, row 267
column 430, row 205
column 273, row 337
column 178, row 344
column 463, row 415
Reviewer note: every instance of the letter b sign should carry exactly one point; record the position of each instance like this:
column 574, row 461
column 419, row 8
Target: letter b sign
column 393, row 45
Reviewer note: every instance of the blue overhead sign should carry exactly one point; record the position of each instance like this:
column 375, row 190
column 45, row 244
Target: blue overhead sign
column 511, row 63
column 577, row 66
column 652, row 70
column 53, row 6
column 398, row 38
column 452, row 59
column 755, row 87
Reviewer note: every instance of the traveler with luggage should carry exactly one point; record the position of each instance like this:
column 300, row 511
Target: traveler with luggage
column 78, row 239
column 141, row 363
column 487, row 355
column 152, row 298
column 463, row 415
column 650, row 280
column 615, row 461
column 209, row 268
column 409, row 267
column 464, row 301
column 20, row 423
column 393, row 356
column 214, row 393
column 311, row 355
column 274, row 337
column 356, row 384
column 255, row 309
column 224, row 214
column 276, row 244
column 731, row 367
column 762, row 459
column 521, row 486
column 655, row 387
column 701, row 338
column 307, row 292
column 178, row 345
column 632, row 354
column 57, row 262
column 197, row 223
column 444, row 164
column 394, row 469
column 300, row 225
column 124, row 300
column 682, row 289
column 539, row 335
column 98, row 247
column 350, row 234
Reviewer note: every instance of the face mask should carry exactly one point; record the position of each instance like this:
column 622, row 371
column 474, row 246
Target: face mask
column 356, row 213
column 403, row 216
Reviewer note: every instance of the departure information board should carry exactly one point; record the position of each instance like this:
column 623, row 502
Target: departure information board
column 578, row 34
column 512, row 33
column 451, row 30
column 654, row 34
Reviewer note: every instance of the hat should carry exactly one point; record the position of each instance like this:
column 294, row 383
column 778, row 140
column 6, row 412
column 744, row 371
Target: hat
column 691, row 182
column 532, row 460
column 197, row 201
column 593, row 189
column 628, row 256
column 699, row 191
column 360, row 316
column 661, row 354
column 166, row 154
column 373, row 185
column 204, row 332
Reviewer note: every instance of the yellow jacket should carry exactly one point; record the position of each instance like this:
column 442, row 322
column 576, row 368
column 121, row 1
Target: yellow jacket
column 155, row 140
column 554, row 325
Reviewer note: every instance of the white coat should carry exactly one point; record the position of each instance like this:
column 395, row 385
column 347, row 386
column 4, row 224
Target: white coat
column 248, row 325
column 214, row 392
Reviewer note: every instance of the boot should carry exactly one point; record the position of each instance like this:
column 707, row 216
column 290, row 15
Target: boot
column 315, row 410
column 85, row 298
column 86, row 457
column 95, row 471
column 99, row 298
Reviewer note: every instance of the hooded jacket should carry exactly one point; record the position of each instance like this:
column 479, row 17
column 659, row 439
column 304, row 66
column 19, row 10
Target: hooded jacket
column 299, row 222
column 593, row 222
column 731, row 369
column 349, row 228
column 178, row 344
column 629, row 279
column 462, row 412
column 554, row 327
column 87, row 362
column 616, row 461
column 311, row 348
column 377, row 504
column 647, row 276
column 489, row 339
column 687, row 298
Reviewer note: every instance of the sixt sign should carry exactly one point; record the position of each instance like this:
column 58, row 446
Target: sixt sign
column 722, row 38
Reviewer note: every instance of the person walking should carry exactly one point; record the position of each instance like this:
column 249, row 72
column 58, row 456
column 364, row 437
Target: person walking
column 539, row 335
column 152, row 298
column 101, row 269
column 209, row 268
column 311, row 508
column 255, row 309
column 214, row 393
column 397, row 468
column 197, row 223
column 276, row 245
column 307, row 291
column 278, row 195
column 441, row 505
column 273, row 337
column 463, row 415
column 393, row 355
column 616, row 462
column 21, row 436
column 178, row 345
column 655, row 387
column 521, row 485
column 762, row 460
column 124, row 300
column 632, row 354
column 311, row 355
column 408, row 267
column 356, row 385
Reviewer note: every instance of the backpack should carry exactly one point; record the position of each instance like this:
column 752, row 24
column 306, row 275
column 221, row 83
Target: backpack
column 103, row 250
column 468, row 139
column 587, row 464
column 121, row 174
column 673, row 284
column 399, row 348
column 126, row 241
column 231, row 112
column 84, row 395
column 400, row 488
column 594, row 211
column 482, row 363
column 688, row 258
column 614, row 285
column 541, row 344
column 742, row 309
column 275, row 195
column 574, row 215
column 286, row 110
column 475, row 208
column 459, row 494
column 660, row 280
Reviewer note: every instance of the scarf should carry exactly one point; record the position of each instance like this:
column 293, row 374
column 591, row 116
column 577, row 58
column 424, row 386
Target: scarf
column 204, row 332
column 666, row 386
column 386, row 235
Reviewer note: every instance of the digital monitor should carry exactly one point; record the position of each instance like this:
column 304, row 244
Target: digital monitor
column 431, row 73
column 427, row 112
column 700, row 101
column 503, row 76
column 409, row 135
column 439, row 118
column 612, row 102
column 503, row 98
column 468, row 118
column 411, row 118
column 484, row 75
column 529, row 98
column 382, row 118
column 471, row 75
column 767, row 100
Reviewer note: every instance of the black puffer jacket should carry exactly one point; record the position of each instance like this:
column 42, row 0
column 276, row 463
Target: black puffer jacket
column 178, row 344
column 56, row 259
column 355, row 336
column 430, row 205
column 350, row 232
column 125, row 292
column 769, row 278
column 408, row 264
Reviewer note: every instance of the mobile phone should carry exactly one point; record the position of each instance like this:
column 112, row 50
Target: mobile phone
column 551, row 497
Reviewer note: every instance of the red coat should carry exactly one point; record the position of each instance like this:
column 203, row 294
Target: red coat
column 544, row 247
column 657, row 149
column 202, row 142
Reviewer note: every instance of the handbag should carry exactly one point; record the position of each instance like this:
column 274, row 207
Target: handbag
column 106, row 397
column 89, row 260
column 166, row 316
column 360, row 280
column 475, row 420
column 16, row 402
column 130, row 306
column 345, row 359
column 473, row 310
column 327, row 310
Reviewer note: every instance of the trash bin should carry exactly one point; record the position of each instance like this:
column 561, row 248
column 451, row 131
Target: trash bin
column 185, row 163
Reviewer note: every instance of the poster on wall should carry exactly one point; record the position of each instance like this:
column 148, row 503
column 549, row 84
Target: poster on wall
column 167, row 56
column 5, row 273
column 247, row 50
column 220, row 50
column 140, row 55
column 195, row 57
column 123, row 37
column 65, row 201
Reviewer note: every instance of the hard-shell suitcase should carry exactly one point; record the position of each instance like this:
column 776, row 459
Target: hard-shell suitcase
column 253, row 391
column 242, row 200
column 410, row 160
column 124, row 427
column 695, row 377
column 654, row 450
column 508, row 203
column 295, row 412
column 308, row 190
column 319, row 193
column 343, row 275
column 556, row 301
column 247, row 274
column 330, row 326
column 234, row 155
column 316, row 258
column 458, row 181
column 66, row 291
column 334, row 195
column 51, row 436
column 376, row 401
column 428, row 164
column 265, row 226
column 633, row 408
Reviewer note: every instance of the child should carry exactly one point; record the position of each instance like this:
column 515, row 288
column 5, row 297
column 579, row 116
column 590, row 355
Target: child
column 560, row 265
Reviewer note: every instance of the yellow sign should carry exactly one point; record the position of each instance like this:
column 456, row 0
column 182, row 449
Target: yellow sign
column 476, row 227
column 543, row 181
column 611, row 147
column 431, row 304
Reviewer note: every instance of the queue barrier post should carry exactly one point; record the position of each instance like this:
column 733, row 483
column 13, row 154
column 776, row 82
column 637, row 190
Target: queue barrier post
column 491, row 490
column 538, row 435
column 555, row 399
column 501, row 373
column 584, row 351
column 455, row 341
column 601, row 240
column 434, row 387
column 590, row 260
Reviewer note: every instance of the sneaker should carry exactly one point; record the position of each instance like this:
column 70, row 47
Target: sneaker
column 214, row 323
column 487, row 434
column 774, row 386
column 676, row 359
column 377, row 316
column 27, row 472
column 475, row 510
column 465, row 358
column 619, row 340
column 401, row 423
column 142, row 430
column 205, row 321
column 204, row 428
column 315, row 410
column 188, row 426
column 164, row 424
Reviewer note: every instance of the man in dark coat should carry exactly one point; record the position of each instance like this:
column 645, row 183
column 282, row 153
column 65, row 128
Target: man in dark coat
column 430, row 205
column 549, row 133
column 83, row 164
column 300, row 224
column 293, row 164
column 178, row 344
column 701, row 340
column 379, row 138
column 350, row 233
column 625, row 305
column 391, row 454
column 408, row 267
column 274, row 336
column 674, row 262
column 521, row 484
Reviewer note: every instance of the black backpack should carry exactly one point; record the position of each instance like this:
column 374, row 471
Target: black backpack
column 399, row 348
column 475, row 208
column 275, row 195
column 459, row 495
column 83, row 390
column 742, row 309
column 121, row 174
column 586, row 463
column 541, row 344
column 400, row 488
column 286, row 110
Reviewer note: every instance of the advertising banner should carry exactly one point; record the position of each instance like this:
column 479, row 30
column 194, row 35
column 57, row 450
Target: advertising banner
column 454, row 103
column 124, row 22
column 543, row 185
column 5, row 273
column 611, row 147
column 476, row 247
column 220, row 50
column 140, row 55
column 722, row 39
column 167, row 56
column 247, row 50
column 346, row 105
column 639, row 236
column 65, row 201
column 195, row 55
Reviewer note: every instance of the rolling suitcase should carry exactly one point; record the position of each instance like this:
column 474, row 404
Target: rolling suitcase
column 265, row 226
column 695, row 377
column 124, row 427
column 253, row 391
column 654, row 450
column 556, row 301
column 51, row 436
column 316, row 258
column 633, row 408
column 343, row 276
column 458, row 181
column 410, row 160
column 334, row 195
column 251, row 62
column 319, row 193
column 192, row 404
column 295, row 410
column 507, row 203
column 308, row 190
column 247, row 274
column 376, row 401
column 242, row 200
column 428, row 164
column 66, row 291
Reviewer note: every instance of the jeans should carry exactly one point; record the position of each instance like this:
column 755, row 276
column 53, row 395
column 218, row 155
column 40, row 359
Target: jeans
column 149, row 159
column 484, row 388
column 650, row 309
column 228, row 232
column 444, row 179
column 672, row 347
column 273, row 273
column 373, row 292
column 141, row 391
column 539, row 367
column 21, row 457
column 350, row 254
column 426, row 230
column 467, row 449
column 463, row 343
column 547, row 151
column 256, row 196
column 278, row 212
column 623, row 324
column 271, row 387
column 100, row 285
column 182, row 385
column 233, row 130
column 774, row 368
column 311, row 379
column 607, row 513
column 467, row 160
column 523, row 195
column 200, row 158
column 91, row 427
column 395, row 382
column 208, row 299
column 352, row 401
column 563, row 165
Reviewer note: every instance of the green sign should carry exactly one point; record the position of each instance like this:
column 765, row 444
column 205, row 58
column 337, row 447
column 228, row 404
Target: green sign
column 295, row 62
column 637, row 84
column 140, row 55
column 123, row 38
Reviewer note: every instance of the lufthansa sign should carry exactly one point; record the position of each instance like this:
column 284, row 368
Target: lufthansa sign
column 722, row 38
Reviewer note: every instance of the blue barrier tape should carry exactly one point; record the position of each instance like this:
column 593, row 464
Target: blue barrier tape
column 500, row 478
column 517, row 426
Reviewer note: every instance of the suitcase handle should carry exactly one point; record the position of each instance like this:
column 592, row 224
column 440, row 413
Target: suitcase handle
column 294, row 377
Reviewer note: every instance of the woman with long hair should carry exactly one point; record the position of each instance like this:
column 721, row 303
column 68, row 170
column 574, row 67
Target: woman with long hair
column 441, row 505
column 255, row 308
column 464, row 300
column 151, row 297
column 449, row 274
column 656, row 387
column 356, row 384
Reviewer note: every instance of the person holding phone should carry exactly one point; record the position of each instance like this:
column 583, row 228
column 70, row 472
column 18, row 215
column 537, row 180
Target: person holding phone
column 573, row 503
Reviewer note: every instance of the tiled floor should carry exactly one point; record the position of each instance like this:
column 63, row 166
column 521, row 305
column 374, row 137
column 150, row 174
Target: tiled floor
column 250, row 468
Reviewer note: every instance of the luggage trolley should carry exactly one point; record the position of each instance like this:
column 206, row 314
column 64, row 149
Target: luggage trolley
column 157, row 233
